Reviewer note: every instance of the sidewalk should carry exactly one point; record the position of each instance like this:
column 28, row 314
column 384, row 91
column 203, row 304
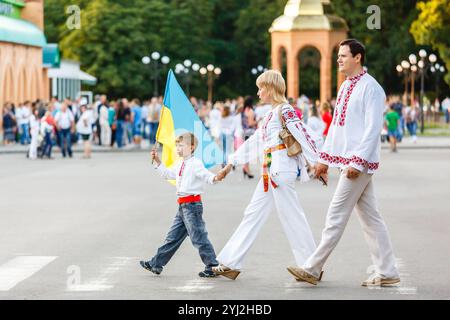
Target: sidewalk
column 422, row 143
column 78, row 148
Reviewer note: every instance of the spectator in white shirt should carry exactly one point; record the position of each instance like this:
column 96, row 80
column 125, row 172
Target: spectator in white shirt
column 214, row 120
column 105, row 129
column 65, row 124
column 34, row 130
column 261, row 111
column 23, row 121
column 84, row 128
column 154, row 111
column 446, row 108
column 226, row 129
column 316, row 124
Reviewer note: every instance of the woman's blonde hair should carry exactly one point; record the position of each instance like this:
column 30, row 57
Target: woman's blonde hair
column 275, row 85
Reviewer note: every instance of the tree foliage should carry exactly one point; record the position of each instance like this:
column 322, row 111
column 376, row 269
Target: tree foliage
column 231, row 34
column 432, row 27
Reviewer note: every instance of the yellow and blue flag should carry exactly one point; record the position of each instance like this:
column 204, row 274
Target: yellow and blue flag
column 177, row 117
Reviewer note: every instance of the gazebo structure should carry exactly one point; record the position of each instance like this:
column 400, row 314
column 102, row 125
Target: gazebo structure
column 307, row 23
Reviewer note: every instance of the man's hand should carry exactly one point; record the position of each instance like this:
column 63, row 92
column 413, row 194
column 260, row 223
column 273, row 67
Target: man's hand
column 154, row 156
column 352, row 173
column 321, row 170
column 324, row 179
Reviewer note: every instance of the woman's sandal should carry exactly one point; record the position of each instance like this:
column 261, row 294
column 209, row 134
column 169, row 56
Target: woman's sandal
column 320, row 277
column 222, row 270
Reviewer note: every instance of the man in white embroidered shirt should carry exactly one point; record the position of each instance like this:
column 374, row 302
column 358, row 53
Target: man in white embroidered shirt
column 190, row 175
column 353, row 146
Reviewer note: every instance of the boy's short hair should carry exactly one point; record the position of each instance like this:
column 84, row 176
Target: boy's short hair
column 187, row 137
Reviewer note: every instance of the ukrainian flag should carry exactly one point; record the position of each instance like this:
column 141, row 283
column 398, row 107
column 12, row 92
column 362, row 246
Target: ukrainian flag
column 178, row 116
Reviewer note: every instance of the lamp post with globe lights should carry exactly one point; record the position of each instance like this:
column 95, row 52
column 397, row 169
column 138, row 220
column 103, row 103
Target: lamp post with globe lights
column 405, row 69
column 184, row 70
column 437, row 70
column 257, row 70
column 154, row 58
column 413, row 61
column 423, row 65
column 212, row 74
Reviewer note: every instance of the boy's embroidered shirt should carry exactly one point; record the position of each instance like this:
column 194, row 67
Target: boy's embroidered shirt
column 190, row 176
column 354, row 136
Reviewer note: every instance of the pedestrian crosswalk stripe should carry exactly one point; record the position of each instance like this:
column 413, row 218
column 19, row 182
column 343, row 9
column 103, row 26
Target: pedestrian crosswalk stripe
column 20, row 268
column 103, row 282
column 193, row 286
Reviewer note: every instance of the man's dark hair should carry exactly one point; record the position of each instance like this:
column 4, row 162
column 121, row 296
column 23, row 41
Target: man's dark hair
column 355, row 48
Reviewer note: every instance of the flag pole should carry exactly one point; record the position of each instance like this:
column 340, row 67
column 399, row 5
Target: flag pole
column 156, row 146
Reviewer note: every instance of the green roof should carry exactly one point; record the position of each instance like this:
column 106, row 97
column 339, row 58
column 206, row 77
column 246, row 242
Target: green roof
column 18, row 3
column 21, row 32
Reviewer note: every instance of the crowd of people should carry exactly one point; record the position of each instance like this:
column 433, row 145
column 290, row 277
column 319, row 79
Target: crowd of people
column 401, row 118
column 62, row 123
column 121, row 122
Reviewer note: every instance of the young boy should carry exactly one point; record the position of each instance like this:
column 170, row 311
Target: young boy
column 190, row 175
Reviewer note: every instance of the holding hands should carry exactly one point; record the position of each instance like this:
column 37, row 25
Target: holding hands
column 223, row 173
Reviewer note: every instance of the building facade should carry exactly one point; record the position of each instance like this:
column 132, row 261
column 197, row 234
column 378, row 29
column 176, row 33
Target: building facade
column 22, row 74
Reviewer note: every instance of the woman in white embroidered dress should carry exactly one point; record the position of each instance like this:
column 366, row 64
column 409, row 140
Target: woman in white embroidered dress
column 276, row 189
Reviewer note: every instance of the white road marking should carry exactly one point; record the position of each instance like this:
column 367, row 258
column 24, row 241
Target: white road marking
column 195, row 286
column 20, row 268
column 103, row 282
column 405, row 286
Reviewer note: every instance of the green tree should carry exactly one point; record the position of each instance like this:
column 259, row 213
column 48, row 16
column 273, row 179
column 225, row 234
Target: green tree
column 112, row 40
column 432, row 27
column 252, row 38
column 387, row 46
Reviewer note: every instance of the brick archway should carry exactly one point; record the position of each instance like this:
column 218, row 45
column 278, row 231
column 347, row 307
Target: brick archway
column 309, row 58
column 307, row 23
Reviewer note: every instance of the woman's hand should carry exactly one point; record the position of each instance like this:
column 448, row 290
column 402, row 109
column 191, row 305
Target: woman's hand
column 223, row 173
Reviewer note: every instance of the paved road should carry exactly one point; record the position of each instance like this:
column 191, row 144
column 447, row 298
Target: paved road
column 76, row 229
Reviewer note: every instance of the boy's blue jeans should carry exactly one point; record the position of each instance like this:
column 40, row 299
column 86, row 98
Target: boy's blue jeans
column 187, row 222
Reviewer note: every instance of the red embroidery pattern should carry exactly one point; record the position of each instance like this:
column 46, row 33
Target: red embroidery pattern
column 266, row 123
column 311, row 142
column 289, row 115
column 346, row 161
column 181, row 170
column 353, row 81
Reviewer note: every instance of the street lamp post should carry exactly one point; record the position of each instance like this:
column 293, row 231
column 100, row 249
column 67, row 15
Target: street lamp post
column 437, row 70
column 187, row 63
column 213, row 73
column 146, row 60
column 184, row 70
column 423, row 66
column 405, row 66
column 413, row 61
column 155, row 56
